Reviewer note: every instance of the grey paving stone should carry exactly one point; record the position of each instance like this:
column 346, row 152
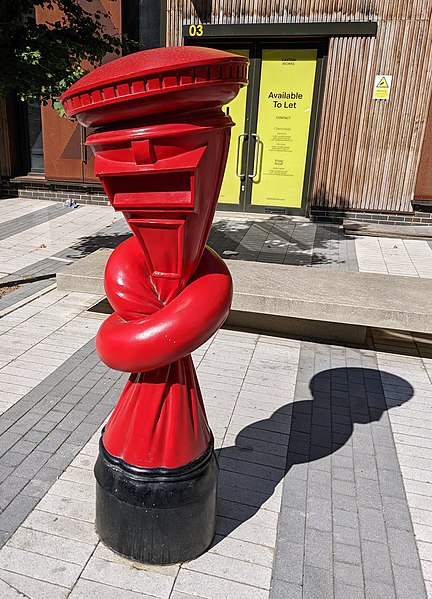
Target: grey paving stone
column 317, row 461
column 37, row 488
column 318, row 583
column 343, row 474
column 368, row 492
column 44, row 426
column 344, row 502
column 54, row 416
column 344, row 487
column 4, row 537
column 10, row 488
column 366, row 466
column 225, row 478
column 350, row 574
column 16, row 512
column 24, row 446
column 319, row 514
column 391, row 484
column 5, row 471
column 12, row 458
column 396, row 513
column 348, row 554
column 387, row 460
column 66, row 453
column 363, row 443
column 288, row 564
column 376, row 563
column 318, row 549
column 16, row 411
column 6, row 422
column 292, row 524
column 82, row 434
column 48, row 474
column 25, row 423
column 372, row 526
column 345, row 535
column 281, row 589
column 8, row 440
column 26, row 291
column 64, row 407
column 403, row 548
column 250, row 469
column 377, row 590
column 32, row 464
column 409, row 583
column 72, row 420
column 297, row 466
column 345, row 518
column 237, row 494
column 346, row 591
column 319, row 484
column 53, row 440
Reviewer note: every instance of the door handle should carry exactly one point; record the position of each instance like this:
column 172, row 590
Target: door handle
column 240, row 145
column 83, row 147
column 257, row 139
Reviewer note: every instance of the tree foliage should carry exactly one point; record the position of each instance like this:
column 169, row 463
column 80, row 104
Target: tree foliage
column 40, row 61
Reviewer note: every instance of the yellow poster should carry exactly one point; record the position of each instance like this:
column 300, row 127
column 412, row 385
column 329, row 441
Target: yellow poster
column 230, row 190
column 284, row 113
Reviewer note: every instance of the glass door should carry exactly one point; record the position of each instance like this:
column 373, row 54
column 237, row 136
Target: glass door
column 270, row 157
column 282, row 130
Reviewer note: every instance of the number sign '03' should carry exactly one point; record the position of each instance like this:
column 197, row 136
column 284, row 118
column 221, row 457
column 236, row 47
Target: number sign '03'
column 196, row 30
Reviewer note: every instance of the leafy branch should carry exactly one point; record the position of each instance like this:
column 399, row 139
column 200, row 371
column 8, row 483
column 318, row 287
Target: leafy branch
column 41, row 60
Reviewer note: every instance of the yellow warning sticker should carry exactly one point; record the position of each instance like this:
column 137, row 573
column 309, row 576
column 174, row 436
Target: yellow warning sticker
column 382, row 87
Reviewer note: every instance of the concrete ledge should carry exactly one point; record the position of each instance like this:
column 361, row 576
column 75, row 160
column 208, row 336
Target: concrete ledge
column 314, row 302
column 363, row 299
column 356, row 227
column 85, row 275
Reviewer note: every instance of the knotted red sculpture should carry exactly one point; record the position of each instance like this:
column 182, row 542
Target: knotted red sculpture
column 161, row 142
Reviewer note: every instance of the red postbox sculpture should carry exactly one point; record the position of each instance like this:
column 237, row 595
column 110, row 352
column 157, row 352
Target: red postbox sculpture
column 161, row 142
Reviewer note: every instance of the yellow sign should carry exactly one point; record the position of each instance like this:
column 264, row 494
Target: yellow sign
column 230, row 190
column 382, row 87
column 285, row 106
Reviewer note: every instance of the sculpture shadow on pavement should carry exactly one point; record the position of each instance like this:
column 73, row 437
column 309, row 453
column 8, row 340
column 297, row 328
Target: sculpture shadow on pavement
column 342, row 399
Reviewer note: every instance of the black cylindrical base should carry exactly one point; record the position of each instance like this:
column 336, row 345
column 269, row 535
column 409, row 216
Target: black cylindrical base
column 156, row 516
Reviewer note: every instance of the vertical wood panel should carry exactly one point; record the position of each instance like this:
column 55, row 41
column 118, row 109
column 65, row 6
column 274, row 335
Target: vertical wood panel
column 368, row 150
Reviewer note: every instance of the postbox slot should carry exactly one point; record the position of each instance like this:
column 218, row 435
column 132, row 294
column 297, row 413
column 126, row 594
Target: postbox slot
column 159, row 190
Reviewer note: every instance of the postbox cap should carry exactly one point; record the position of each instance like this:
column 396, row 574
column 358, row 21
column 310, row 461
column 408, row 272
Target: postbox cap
column 156, row 81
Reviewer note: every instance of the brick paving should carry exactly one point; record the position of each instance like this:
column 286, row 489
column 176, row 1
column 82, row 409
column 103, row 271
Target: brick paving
column 24, row 222
column 345, row 528
column 324, row 451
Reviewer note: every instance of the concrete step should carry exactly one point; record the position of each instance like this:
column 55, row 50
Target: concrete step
column 317, row 303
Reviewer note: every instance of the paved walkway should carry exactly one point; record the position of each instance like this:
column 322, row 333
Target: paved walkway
column 325, row 486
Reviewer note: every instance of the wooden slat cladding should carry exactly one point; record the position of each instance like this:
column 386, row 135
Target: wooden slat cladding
column 368, row 150
column 218, row 12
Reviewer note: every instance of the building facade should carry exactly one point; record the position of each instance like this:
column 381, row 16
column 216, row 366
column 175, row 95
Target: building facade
column 335, row 122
